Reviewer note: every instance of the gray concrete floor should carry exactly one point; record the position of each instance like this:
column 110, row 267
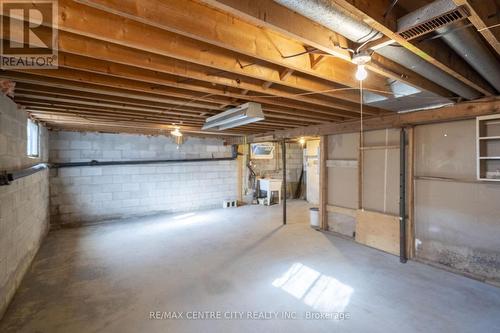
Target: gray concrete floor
column 109, row 277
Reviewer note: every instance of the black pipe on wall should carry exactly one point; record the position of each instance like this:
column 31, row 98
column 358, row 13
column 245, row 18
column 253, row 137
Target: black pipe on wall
column 402, row 197
column 234, row 155
column 8, row 177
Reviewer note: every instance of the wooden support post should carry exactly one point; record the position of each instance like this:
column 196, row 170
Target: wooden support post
column 323, row 182
column 283, row 153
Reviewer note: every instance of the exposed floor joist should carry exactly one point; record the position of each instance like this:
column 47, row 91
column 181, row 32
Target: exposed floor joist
column 372, row 12
column 271, row 15
column 485, row 17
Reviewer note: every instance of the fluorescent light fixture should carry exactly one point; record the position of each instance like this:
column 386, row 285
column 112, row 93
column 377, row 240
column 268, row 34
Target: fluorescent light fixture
column 241, row 115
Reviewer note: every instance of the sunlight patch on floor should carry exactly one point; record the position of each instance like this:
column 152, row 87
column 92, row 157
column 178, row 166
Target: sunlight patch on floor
column 321, row 292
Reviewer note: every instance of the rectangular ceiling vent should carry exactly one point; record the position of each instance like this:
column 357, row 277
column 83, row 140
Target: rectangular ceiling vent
column 241, row 115
column 430, row 18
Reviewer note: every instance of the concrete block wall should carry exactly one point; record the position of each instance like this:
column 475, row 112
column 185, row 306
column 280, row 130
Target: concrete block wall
column 273, row 168
column 24, row 204
column 90, row 194
column 13, row 138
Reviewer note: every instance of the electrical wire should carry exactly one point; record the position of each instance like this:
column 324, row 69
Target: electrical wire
column 361, row 142
column 390, row 8
column 490, row 27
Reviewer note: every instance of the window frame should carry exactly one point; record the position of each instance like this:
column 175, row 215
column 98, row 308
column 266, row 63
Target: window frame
column 30, row 136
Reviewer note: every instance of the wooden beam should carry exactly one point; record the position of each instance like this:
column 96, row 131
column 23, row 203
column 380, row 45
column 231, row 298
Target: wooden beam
column 79, row 51
column 267, row 84
column 61, row 76
column 315, row 60
column 271, row 15
column 461, row 111
column 372, row 12
column 43, row 93
column 285, row 74
column 229, row 32
column 484, row 15
column 223, row 61
column 40, row 90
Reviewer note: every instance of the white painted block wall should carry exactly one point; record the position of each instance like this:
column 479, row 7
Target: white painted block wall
column 96, row 193
column 24, row 204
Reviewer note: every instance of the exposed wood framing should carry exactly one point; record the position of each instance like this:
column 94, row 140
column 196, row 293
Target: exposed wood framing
column 372, row 13
column 224, row 30
column 273, row 16
column 178, row 62
column 460, row 111
column 485, row 17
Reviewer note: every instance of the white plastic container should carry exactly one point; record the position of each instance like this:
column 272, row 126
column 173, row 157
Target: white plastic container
column 314, row 217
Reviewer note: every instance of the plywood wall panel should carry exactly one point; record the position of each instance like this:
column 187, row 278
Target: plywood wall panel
column 378, row 230
column 446, row 150
column 343, row 146
column 343, row 187
column 381, row 172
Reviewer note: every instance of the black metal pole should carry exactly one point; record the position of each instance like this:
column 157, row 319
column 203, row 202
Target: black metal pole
column 402, row 197
column 283, row 153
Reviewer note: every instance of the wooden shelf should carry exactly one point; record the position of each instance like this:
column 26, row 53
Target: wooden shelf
column 488, row 147
column 490, row 179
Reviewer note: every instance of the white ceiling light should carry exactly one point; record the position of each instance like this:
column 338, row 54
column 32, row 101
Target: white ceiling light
column 361, row 59
column 361, row 73
column 241, row 115
column 176, row 132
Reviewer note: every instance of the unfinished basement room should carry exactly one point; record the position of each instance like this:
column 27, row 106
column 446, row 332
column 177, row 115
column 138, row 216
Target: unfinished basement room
column 250, row 166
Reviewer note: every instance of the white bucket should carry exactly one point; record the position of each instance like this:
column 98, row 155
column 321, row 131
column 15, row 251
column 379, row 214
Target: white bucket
column 314, row 217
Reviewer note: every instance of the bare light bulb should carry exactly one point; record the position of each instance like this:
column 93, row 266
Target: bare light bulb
column 176, row 132
column 302, row 141
column 361, row 73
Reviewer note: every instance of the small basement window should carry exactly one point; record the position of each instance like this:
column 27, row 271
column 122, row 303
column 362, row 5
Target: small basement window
column 33, row 144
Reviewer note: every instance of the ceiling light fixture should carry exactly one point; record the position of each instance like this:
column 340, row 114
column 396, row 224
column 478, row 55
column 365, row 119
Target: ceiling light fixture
column 241, row 115
column 361, row 59
column 176, row 132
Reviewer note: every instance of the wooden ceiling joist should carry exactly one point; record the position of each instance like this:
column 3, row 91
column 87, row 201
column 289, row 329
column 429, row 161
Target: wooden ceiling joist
column 372, row 12
column 86, row 21
column 202, row 23
column 272, row 15
column 461, row 111
column 80, row 88
column 71, row 80
column 485, row 17
column 181, row 61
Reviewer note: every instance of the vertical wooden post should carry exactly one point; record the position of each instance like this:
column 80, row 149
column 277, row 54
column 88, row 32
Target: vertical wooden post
column 283, row 153
column 323, row 182
column 241, row 167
